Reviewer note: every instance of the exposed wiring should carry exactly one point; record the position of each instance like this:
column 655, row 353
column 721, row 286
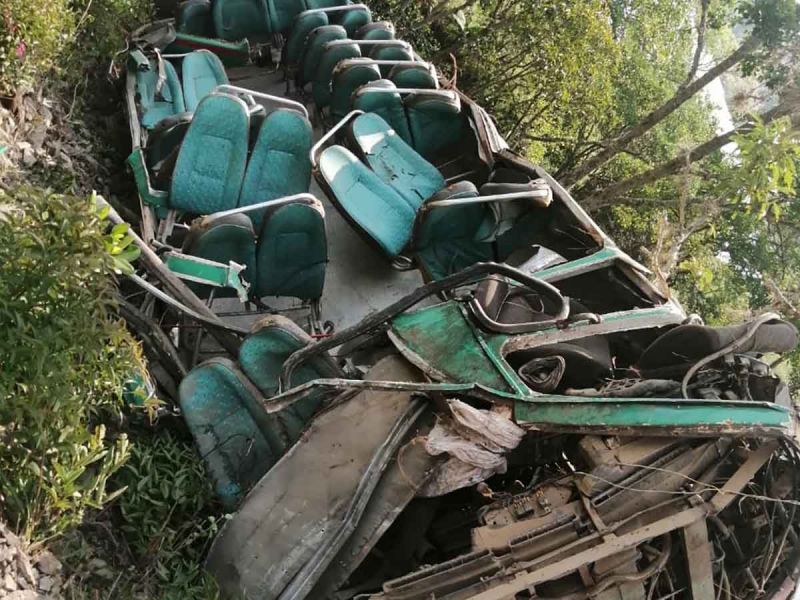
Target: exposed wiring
column 732, row 347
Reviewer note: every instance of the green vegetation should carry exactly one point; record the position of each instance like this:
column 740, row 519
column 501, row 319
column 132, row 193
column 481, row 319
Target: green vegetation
column 606, row 94
column 65, row 359
column 609, row 96
column 61, row 39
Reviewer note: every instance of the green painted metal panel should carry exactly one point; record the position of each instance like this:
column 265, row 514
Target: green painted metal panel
column 654, row 416
column 208, row 272
column 441, row 337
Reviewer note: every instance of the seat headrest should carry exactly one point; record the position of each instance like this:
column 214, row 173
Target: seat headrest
column 447, row 102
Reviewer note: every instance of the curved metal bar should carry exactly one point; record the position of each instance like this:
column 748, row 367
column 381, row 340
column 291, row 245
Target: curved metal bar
column 547, row 290
column 491, row 198
column 278, row 100
column 266, row 204
column 376, row 90
column 316, row 148
column 377, row 319
column 331, row 9
column 216, row 322
column 387, row 43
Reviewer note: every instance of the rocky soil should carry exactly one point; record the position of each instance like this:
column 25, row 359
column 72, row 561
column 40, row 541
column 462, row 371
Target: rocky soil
column 23, row 577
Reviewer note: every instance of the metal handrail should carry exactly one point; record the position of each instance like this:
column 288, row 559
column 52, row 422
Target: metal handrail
column 279, row 100
column 315, row 149
column 533, row 193
column 334, row 9
column 260, row 205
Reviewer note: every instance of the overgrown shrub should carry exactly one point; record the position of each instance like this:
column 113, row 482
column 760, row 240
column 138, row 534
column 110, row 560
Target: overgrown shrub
column 168, row 516
column 33, row 36
column 64, row 360
column 39, row 38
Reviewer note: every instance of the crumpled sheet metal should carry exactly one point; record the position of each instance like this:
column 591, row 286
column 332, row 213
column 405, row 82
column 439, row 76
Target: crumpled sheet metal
column 476, row 441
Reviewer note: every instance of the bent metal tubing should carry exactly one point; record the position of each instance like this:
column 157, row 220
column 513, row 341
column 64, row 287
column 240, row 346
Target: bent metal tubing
column 375, row 320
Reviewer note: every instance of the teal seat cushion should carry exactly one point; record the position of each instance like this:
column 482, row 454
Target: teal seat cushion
column 292, row 252
column 394, row 161
column 202, row 71
column 353, row 20
column 225, row 239
column 388, row 105
column 315, row 46
column 413, row 75
column 379, row 30
column 194, row 17
column 390, row 53
column 437, row 124
column 282, row 14
column 445, row 240
column 303, row 25
column 262, row 354
column 236, row 20
column 331, row 55
column 279, row 164
column 370, row 204
column 347, row 78
column 237, row 439
column 211, row 162
column 157, row 104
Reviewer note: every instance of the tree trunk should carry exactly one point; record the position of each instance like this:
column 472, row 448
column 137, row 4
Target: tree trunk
column 615, row 145
column 614, row 194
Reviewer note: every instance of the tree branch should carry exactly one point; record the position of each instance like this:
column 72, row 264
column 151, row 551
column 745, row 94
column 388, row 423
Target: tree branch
column 614, row 194
column 652, row 119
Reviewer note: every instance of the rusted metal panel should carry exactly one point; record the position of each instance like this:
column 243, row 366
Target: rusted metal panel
column 697, row 550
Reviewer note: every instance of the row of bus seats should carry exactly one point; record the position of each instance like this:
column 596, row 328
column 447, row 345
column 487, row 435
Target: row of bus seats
column 402, row 204
column 238, row 439
column 233, row 156
column 258, row 20
column 169, row 87
column 374, row 72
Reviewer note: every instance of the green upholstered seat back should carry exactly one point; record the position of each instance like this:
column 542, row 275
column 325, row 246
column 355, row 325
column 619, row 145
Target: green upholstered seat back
column 394, row 161
column 211, row 162
column 237, row 439
column 378, row 30
column 436, row 123
column 282, row 13
column 202, row 71
column 158, row 104
column 331, row 55
column 226, row 239
column 390, row 53
column 353, row 20
column 292, row 252
column 314, row 47
column 194, row 17
column 445, row 240
column 262, row 354
column 373, row 206
column 346, row 80
column 241, row 19
column 388, row 105
column 413, row 75
column 279, row 164
column 303, row 25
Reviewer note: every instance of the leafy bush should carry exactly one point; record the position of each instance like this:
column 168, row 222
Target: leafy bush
column 64, row 357
column 62, row 37
column 33, row 35
column 168, row 516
